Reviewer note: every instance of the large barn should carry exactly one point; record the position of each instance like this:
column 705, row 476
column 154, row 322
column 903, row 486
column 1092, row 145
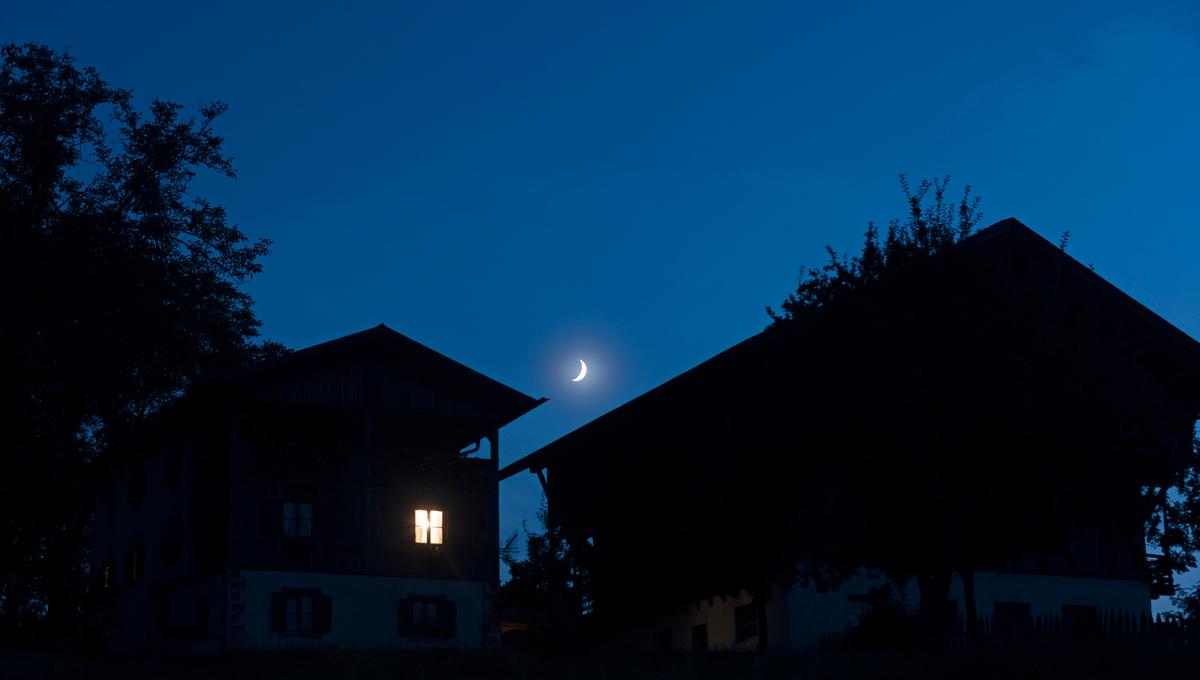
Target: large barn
column 343, row 494
column 986, row 429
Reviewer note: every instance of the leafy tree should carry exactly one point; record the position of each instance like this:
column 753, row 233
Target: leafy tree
column 1187, row 605
column 928, row 228
column 1174, row 525
column 123, row 290
column 858, row 538
column 548, row 586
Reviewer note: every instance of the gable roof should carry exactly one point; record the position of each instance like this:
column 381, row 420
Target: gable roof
column 381, row 341
column 737, row 365
column 1014, row 229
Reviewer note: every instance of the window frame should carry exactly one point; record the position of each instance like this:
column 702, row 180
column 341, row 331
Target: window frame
column 297, row 621
column 295, row 526
column 427, row 527
column 287, row 605
column 445, row 622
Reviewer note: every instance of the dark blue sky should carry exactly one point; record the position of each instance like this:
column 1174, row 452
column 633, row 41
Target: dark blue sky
column 520, row 185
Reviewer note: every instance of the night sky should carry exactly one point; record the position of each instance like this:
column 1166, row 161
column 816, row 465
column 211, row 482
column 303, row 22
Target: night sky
column 521, row 185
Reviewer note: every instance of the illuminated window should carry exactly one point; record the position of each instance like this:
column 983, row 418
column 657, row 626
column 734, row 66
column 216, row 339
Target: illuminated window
column 429, row 526
column 297, row 519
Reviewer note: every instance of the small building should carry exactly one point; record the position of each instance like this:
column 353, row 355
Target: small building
column 343, row 494
column 1047, row 407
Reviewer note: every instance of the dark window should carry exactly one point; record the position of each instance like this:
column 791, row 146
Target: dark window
column 172, row 542
column 700, row 638
column 134, row 565
column 297, row 519
column 1079, row 621
column 745, row 621
column 1013, row 620
column 301, row 612
column 428, row 616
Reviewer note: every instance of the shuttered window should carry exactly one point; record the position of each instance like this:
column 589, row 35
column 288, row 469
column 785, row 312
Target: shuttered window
column 428, row 616
column 302, row 612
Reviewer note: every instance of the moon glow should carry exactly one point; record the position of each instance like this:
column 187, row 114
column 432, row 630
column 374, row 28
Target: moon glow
column 582, row 372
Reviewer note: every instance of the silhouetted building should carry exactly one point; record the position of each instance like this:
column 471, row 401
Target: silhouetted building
column 1039, row 404
column 345, row 493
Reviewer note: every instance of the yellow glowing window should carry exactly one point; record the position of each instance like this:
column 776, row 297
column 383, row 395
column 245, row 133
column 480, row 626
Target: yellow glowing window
column 429, row 526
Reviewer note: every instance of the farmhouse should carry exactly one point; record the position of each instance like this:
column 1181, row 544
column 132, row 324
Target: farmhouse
column 986, row 429
column 345, row 493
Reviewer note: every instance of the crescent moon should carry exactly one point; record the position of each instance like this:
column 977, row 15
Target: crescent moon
column 582, row 372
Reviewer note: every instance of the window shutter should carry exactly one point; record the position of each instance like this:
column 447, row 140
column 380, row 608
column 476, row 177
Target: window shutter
column 277, row 610
column 405, row 615
column 322, row 613
column 447, row 617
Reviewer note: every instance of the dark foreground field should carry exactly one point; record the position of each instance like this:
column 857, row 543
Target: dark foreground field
column 1096, row 661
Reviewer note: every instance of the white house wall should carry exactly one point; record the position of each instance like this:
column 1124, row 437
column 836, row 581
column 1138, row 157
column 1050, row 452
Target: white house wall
column 718, row 615
column 1048, row 594
column 364, row 609
column 813, row 615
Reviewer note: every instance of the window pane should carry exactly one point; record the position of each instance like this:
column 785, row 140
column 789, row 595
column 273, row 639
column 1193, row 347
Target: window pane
column 305, row 511
column 292, row 616
column 304, row 527
column 435, row 518
column 306, row 613
column 422, row 525
column 435, row 535
column 289, row 519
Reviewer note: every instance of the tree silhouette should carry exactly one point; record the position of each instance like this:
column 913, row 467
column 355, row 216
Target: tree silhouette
column 549, row 584
column 123, row 290
column 930, row 227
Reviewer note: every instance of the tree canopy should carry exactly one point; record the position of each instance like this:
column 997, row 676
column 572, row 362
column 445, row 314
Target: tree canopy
column 124, row 288
column 930, row 227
